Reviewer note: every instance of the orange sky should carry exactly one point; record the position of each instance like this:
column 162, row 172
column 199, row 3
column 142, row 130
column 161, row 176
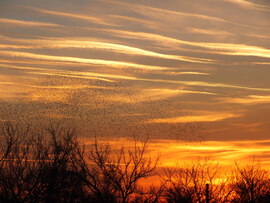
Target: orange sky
column 175, row 70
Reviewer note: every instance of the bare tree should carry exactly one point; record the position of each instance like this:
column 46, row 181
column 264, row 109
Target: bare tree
column 154, row 193
column 113, row 175
column 195, row 183
column 35, row 169
column 18, row 172
column 251, row 184
column 59, row 176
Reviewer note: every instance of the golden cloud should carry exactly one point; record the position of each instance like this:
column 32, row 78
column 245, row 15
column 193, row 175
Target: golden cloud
column 209, row 117
column 219, row 48
column 249, row 100
column 115, row 64
column 67, row 43
column 225, row 152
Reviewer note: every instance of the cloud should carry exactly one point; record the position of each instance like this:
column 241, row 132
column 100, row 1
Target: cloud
column 66, row 43
column 68, row 87
column 170, row 92
column 147, row 10
column 122, row 20
column 236, row 49
column 225, row 152
column 248, row 100
column 27, row 23
column 210, row 117
column 165, row 93
column 193, row 53
column 64, row 73
column 123, row 77
column 115, row 64
column 7, row 83
column 92, row 19
column 209, row 31
column 249, row 5
column 10, row 87
column 215, row 48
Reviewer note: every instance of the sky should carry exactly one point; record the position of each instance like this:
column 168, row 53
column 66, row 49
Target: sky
column 171, row 70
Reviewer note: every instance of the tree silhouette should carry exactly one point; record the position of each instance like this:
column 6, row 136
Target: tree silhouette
column 33, row 169
column 52, row 166
column 113, row 175
column 251, row 184
column 188, row 184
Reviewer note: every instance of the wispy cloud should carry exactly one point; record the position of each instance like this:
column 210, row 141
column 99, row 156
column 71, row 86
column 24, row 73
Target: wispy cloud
column 66, row 43
column 64, row 73
column 187, row 83
column 225, row 152
column 210, row 117
column 248, row 100
column 190, row 53
column 165, row 93
column 217, row 48
column 92, row 19
column 209, row 31
column 7, row 83
column 249, row 4
column 115, row 64
column 147, row 10
column 236, row 49
column 27, row 23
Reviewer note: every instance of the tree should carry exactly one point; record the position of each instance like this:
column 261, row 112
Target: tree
column 113, row 175
column 188, row 184
column 36, row 169
column 251, row 184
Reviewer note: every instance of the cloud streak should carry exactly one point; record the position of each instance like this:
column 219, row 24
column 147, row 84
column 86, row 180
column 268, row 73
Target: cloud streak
column 148, row 9
column 92, row 19
column 122, row 77
column 115, row 64
column 27, row 23
column 215, row 48
column 225, row 152
column 66, row 43
column 211, row 117
column 249, row 5
column 249, row 100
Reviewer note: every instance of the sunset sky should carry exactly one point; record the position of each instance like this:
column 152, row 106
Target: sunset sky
column 171, row 70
